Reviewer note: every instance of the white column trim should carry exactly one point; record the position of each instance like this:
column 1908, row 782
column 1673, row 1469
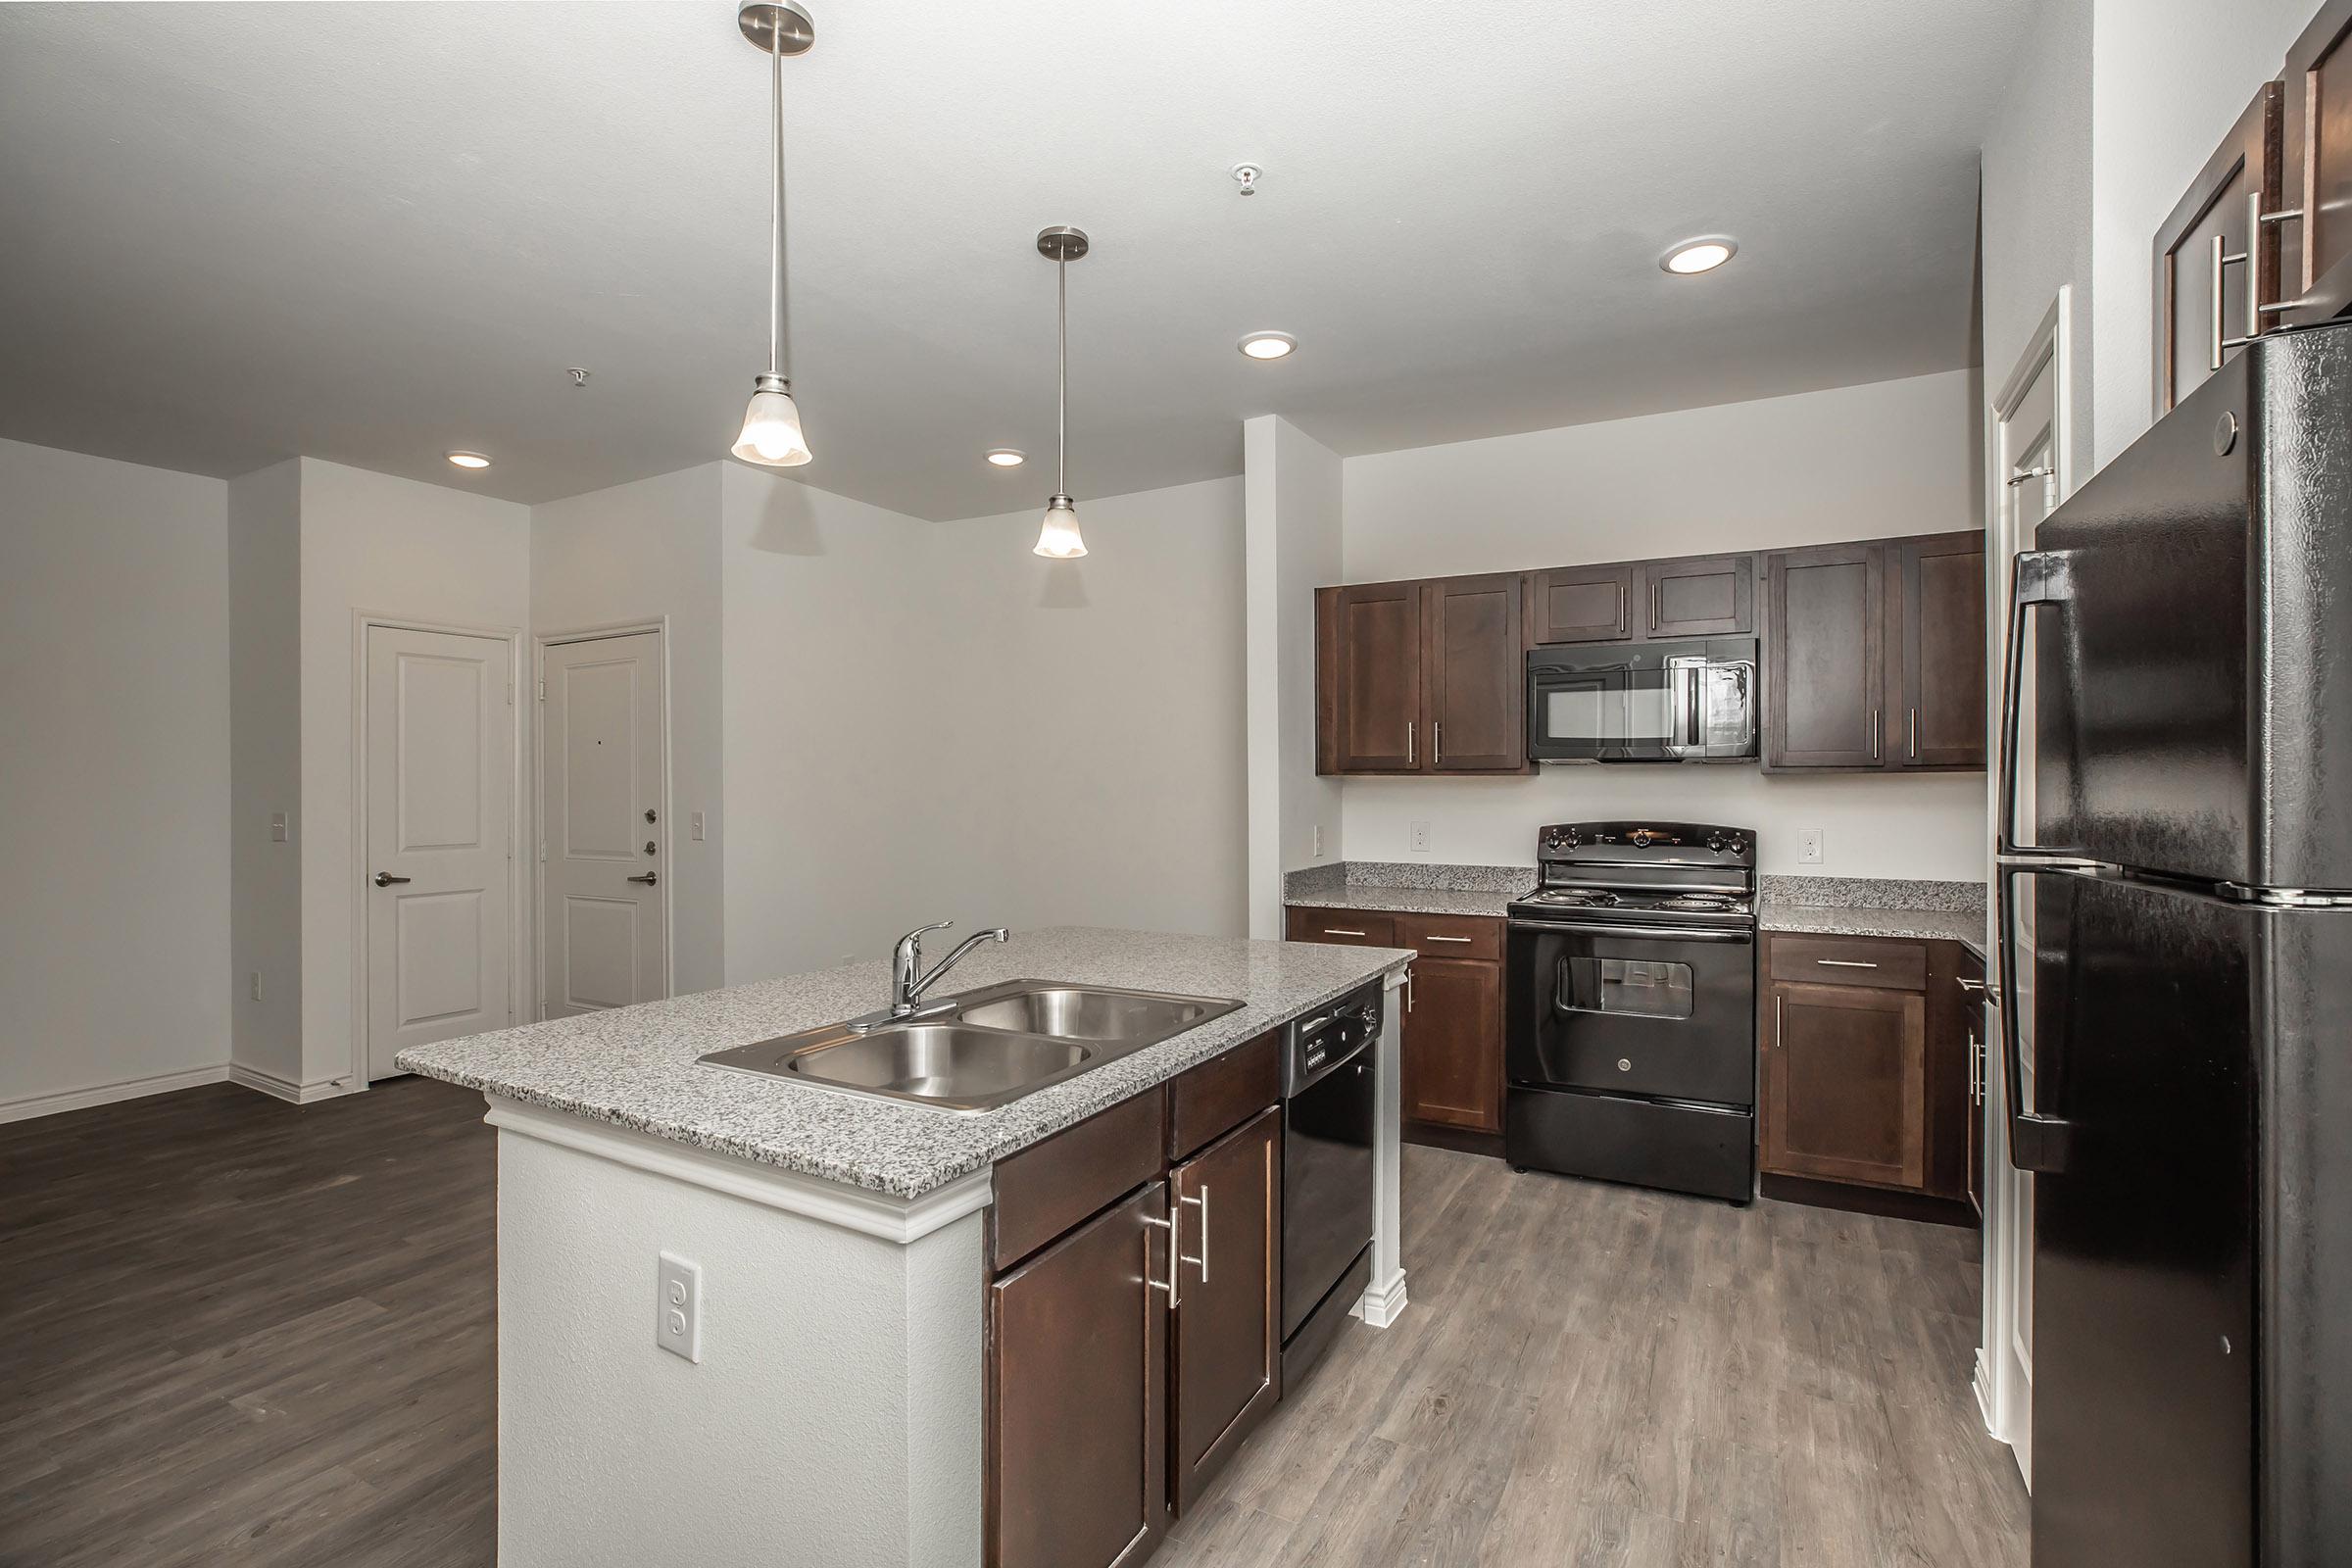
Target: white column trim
column 1382, row 1300
column 854, row 1209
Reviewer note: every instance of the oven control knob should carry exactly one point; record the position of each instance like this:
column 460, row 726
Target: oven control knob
column 1716, row 842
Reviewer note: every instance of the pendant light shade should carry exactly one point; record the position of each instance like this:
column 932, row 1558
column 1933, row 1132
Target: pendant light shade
column 771, row 422
column 771, row 427
column 1058, row 537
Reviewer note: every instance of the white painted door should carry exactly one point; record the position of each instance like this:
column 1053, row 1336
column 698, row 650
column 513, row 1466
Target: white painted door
column 2028, row 440
column 440, row 790
column 605, row 825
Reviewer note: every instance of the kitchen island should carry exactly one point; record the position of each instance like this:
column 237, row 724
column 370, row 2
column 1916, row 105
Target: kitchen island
column 832, row 1401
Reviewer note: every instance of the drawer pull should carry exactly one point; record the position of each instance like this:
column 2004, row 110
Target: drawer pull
column 1335, row 931
column 1845, row 963
column 1445, row 938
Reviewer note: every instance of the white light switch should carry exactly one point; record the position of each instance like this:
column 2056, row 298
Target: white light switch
column 1808, row 846
column 694, row 828
column 255, row 983
column 678, row 1309
column 278, row 827
column 1318, row 841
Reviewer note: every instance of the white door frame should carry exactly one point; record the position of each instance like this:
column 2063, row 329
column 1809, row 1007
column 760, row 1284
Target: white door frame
column 541, row 641
column 2006, row 1396
column 364, row 621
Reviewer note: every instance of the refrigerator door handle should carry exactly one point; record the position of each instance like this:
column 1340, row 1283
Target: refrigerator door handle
column 2038, row 580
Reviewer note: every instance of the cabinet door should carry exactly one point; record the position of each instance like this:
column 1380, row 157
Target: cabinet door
column 2318, row 94
column 1846, row 1085
column 1824, row 653
column 1937, row 645
column 1347, row 928
column 1077, row 1378
column 1228, row 1319
column 1371, row 679
column 1477, row 675
column 2203, row 313
column 1582, row 604
column 1452, row 1044
column 1712, row 598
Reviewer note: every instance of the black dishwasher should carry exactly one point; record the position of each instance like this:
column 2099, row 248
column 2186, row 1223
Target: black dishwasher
column 1329, row 1100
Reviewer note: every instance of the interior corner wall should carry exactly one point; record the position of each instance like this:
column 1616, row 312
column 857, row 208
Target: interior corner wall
column 265, row 678
column 1851, row 463
column 115, row 692
column 638, row 552
column 422, row 551
column 2167, row 80
column 1292, row 505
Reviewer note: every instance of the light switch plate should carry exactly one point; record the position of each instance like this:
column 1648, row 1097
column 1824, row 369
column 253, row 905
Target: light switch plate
column 678, row 1307
column 695, row 827
column 278, row 827
column 1318, row 841
column 1808, row 846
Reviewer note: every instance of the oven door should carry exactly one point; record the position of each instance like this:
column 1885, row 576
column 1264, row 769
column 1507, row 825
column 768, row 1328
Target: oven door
column 1664, row 1012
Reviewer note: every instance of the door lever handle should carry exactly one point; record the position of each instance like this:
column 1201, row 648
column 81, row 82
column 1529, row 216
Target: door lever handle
column 385, row 879
column 647, row 879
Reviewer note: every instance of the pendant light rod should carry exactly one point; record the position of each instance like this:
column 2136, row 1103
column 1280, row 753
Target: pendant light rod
column 775, row 222
column 1057, row 536
column 771, row 422
column 1061, row 409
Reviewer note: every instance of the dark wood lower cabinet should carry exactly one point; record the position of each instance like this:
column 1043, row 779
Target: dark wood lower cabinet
column 1078, row 1388
column 1453, row 1044
column 1871, row 1074
column 1228, row 1321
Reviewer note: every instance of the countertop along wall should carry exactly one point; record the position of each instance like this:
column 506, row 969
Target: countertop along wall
column 1852, row 463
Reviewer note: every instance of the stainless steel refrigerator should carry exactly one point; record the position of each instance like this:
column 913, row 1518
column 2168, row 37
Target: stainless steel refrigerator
column 2188, row 869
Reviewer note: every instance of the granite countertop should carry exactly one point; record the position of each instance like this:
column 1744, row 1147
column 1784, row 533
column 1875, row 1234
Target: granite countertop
column 1874, row 907
column 1406, row 901
column 1949, row 925
column 635, row 1068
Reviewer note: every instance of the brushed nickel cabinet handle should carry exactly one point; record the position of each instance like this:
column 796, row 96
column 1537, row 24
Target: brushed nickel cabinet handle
column 1911, row 734
column 1845, row 963
column 1336, row 931
column 1412, row 749
column 1777, row 1000
column 1201, row 1262
column 1445, row 938
column 1436, row 744
column 1874, row 734
column 1168, row 1284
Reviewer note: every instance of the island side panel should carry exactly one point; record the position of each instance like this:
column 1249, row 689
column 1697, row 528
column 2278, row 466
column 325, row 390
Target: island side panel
column 835, row 1414
column 1382, row 1300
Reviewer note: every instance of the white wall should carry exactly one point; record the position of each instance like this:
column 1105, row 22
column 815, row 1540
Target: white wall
column 1292, row 497
column 372, row 542
column 2167, row 80
column 636, row 553
column 114, row 692
column 1853, row 463
column 264, row 677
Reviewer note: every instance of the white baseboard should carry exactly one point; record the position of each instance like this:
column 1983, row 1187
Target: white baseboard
column 1982, row 1381
column 1382, row 1304
column 285, row 1089
column 64, row 1100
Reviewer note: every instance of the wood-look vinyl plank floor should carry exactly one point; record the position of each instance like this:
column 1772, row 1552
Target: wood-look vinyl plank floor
column 236, row 1334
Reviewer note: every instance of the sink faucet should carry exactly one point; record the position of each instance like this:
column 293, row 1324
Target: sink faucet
column 908, row 982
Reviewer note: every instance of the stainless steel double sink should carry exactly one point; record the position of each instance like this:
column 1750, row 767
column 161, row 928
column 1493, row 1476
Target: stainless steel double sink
column 978, row 1049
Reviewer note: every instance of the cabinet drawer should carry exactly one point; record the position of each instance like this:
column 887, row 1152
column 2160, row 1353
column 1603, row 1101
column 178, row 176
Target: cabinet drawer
column 1355, row 928
column 1449, row 936
column 1851, row 962
column 1209, row 1101
column 1050, row 1186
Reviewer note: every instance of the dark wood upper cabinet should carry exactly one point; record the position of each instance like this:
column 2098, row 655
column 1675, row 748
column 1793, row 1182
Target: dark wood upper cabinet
column 2317, row 159
column 1824, row 657
column 2216, row 261
column 1078, row 1390
column 1371, row 645
column 1228, row 1325
column 1582, row 604
column 1451, row 1044
column 1702, row 598
column 1936, row 643
column 1846, row 1092
column 1476, row 674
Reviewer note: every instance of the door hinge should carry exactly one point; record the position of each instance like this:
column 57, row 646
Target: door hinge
column 543, row 690
column 509, row 694
column 542, row 852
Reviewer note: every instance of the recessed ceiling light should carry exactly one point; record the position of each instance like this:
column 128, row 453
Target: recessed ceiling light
column 1699, row 255
column 469, row 459
column 1006, row 457
column 1268, row 345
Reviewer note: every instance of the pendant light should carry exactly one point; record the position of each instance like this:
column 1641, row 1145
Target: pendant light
column 771, row 423
column 1058, row 538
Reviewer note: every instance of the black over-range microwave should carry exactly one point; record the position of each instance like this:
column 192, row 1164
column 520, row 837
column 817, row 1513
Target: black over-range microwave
column 1671, row 702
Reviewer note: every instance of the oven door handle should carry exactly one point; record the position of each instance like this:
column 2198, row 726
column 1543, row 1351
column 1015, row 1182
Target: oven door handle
column 1676, row 932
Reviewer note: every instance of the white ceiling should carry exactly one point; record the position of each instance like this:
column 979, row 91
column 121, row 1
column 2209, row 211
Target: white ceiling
column 373, row 232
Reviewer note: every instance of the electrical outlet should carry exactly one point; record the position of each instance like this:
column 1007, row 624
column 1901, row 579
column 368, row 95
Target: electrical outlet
column 1419, row 837
column 254, row 983
column 278, row 827
column 1808, row 846
column 694, row 829
column 678, row 1319
column 1318, row 841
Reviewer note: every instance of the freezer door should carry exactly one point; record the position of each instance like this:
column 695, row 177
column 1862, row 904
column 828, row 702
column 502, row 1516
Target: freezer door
column 2144, row 1358
column 2194, row 684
